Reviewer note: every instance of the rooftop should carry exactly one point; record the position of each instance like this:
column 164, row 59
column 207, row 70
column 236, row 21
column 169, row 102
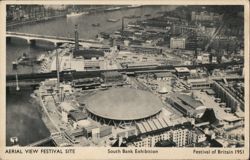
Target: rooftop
column 124, row 104
column 158, row 124
column 88, row 53
column 163, row 74
column 182, row 69
column 111, row 74
column 78, row 115
column 138, row 64
column 186, row 101
column 66, row 106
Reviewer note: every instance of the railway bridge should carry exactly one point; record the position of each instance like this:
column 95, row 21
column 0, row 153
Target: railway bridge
column 55, row 138
column 35, row 78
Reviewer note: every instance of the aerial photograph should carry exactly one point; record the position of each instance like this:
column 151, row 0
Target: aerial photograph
column 125, row 75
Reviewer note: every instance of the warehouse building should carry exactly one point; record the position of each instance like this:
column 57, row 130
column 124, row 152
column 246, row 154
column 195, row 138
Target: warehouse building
column 88, row 54
column 182, row 72
column 112, row 77
column 186, row 104
column 163, row 76
column 199, row 84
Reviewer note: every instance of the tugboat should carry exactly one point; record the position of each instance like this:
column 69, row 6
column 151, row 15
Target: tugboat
column 113, row 20
column 134, row 6
column 96, row 24
column 112, row 9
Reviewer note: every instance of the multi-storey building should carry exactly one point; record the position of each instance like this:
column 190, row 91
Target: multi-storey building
column 205, row 58
column 198, row 136
column 179, row 131
column 182, row 137
column 205, row 16
column 177, row 43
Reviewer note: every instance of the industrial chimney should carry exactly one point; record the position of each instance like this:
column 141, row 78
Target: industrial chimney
column 76, row 38
column 122, row 24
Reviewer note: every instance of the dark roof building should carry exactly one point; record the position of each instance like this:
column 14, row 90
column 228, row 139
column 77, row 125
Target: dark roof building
column 88, row 53
column 165, row 143
column 162, row 75
column 185, row 104
column 208, row 116
column 78, row 115
column 112, row 76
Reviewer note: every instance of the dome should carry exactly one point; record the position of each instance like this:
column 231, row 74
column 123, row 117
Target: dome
column 124, row 104
column 163, row 90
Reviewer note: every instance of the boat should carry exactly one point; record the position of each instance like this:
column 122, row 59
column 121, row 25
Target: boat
column 134, row 6
column 113, row 20
column 113, row 9
column 96, row 24
column 75, row 14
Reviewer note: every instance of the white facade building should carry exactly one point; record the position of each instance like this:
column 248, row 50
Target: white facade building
column 177, row 43
column 205, row 58
column 178, row 131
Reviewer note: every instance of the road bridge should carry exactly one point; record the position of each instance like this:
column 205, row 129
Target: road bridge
column 56, row 40
column 23, row 83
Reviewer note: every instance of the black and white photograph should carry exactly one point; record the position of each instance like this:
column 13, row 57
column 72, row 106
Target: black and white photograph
column 132, row 75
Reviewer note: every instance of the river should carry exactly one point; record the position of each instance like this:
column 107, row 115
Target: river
column 65, row 26
column 23, row 118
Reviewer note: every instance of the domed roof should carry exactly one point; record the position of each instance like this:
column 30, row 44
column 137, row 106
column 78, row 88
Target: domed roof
column 124, row 104
column 163, row 90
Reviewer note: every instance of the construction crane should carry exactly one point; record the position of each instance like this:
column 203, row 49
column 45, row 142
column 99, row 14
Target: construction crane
column 218, row 30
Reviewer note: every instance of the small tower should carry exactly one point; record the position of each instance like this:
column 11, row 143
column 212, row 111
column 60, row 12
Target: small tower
column 15, row 63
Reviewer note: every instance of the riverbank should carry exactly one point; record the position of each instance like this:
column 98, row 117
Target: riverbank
column 13, row 24
column 23, row 119
column 32, row 21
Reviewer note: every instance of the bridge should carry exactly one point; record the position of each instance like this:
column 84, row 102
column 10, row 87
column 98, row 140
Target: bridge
column 56, row 40
column 56, row 138
column 40, row 142
column 24, row 83
column 36, row 78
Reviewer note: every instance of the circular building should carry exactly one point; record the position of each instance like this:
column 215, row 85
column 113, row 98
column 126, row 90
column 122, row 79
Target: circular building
column 121, row 106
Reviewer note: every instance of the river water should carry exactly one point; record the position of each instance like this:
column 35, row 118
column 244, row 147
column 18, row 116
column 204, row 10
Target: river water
column 23, row 118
